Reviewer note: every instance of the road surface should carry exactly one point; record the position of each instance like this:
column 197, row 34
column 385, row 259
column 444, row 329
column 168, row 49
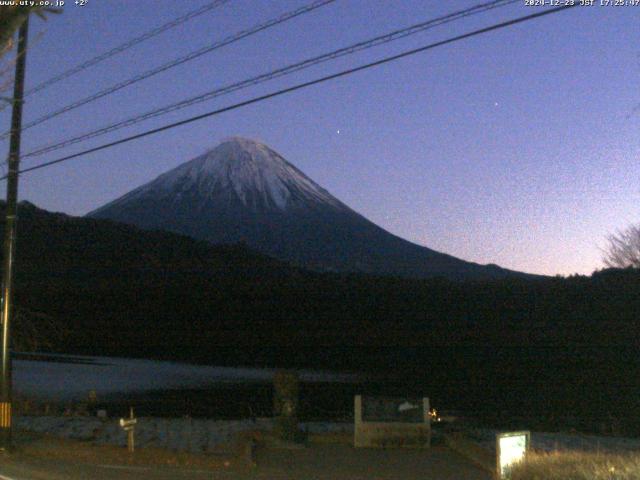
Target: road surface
column 318, row 462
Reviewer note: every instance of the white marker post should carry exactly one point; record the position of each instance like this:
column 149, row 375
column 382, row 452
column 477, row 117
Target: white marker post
column 511, row 448
column 128, row 425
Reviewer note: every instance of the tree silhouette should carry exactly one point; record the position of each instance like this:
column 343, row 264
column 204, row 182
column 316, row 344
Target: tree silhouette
column 11, row 17
column 623, row 248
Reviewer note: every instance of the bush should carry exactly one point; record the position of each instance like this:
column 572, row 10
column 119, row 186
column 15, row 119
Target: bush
column 577, row 466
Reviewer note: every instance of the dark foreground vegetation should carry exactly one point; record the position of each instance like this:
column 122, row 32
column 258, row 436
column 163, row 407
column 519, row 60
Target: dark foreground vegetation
column 578, row 466
column 552, row 350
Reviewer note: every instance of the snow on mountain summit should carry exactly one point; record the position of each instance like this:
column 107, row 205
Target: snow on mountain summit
column 247, row 169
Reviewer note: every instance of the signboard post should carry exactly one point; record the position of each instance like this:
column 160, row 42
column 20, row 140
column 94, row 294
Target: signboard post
column 511, row 448
column 392, row 422
column 128, row 425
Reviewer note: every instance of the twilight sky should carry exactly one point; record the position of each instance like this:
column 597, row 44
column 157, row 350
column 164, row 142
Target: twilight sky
column 519, row 147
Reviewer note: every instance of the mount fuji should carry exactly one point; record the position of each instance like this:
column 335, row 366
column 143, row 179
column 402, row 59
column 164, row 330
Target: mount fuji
column 243, row 191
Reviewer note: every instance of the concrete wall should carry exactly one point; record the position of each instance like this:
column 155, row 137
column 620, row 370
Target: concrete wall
column 196, row 435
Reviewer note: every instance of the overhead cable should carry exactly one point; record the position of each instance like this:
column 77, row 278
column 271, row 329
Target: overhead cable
column 301, row 86
column 126, row 45
column 287, row 70
column 174, row 63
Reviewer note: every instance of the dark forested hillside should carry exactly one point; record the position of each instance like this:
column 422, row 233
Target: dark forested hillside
column 112, row 288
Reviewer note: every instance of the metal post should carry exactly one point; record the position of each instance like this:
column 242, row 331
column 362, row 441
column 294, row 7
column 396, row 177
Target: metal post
column 10, row 239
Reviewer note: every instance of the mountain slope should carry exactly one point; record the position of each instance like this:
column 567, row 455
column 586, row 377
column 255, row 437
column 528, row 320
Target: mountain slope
column 242, row 191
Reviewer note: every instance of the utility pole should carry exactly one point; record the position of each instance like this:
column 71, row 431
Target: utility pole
column 10, row 239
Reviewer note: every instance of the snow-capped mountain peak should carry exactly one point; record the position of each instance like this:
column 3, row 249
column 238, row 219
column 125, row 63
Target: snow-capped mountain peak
column 254, row 173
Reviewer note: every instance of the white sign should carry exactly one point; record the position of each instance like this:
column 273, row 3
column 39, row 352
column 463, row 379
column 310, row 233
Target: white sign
column 407, row 406
column 510, row 448
column 128, row 423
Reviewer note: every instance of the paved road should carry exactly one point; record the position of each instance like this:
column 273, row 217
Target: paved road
column 321, row 462
column 32, row 469
column 342, row 462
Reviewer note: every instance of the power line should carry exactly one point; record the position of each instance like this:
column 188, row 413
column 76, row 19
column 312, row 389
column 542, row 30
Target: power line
column 289, row 69
column 178, row 61
column 301, row 86
column 125, row 46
